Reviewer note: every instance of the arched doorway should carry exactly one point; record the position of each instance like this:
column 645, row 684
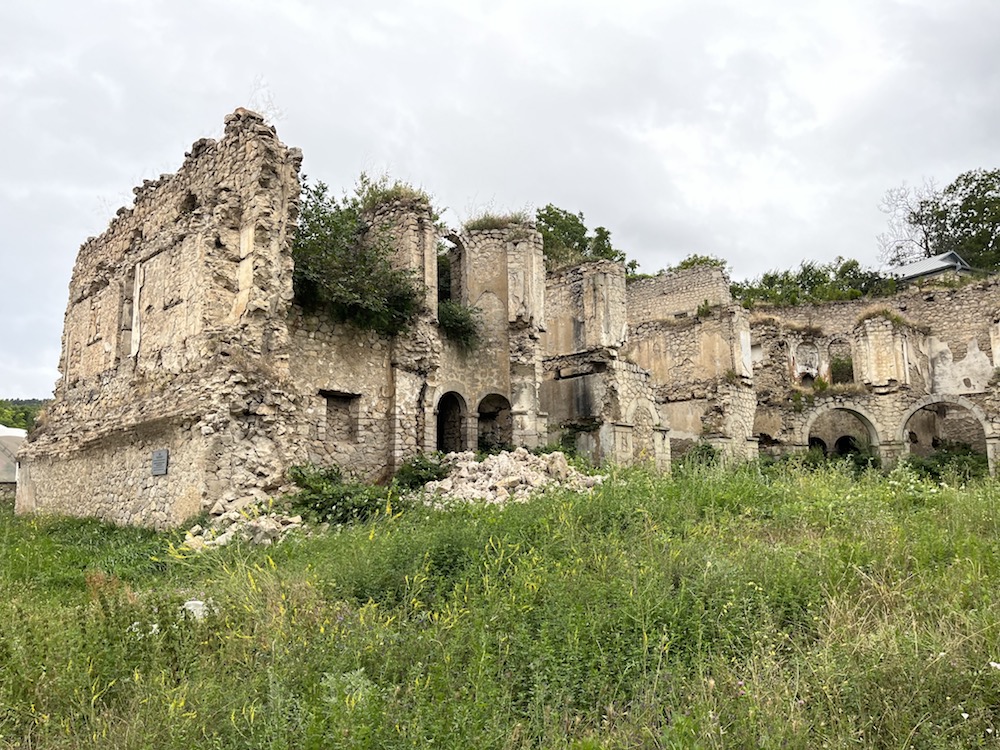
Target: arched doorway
column 451, row 412
column 842, row 432
column 496, row 425
column 817, row 444
column 947, row 433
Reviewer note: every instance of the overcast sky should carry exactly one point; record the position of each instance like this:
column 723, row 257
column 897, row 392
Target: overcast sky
column 761, row 131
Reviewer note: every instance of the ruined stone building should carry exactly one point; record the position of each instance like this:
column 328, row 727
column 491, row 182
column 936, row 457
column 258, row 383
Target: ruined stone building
column 189, row 375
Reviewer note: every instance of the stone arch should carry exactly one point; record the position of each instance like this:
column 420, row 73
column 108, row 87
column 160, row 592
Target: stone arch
column 971, row 427
column 939, row 398
column 451, row 414
column 819, row 444
column 875, row 431
column 496, row 422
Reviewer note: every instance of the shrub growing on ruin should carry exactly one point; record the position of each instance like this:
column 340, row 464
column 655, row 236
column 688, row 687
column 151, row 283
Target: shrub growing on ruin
column 373, row 192
column 343, row 266
column 460, row 323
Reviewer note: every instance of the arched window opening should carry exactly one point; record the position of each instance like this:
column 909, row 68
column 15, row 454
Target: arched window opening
column 841, row 363
column 842, row 432
column 847, row 445
column 817, row 444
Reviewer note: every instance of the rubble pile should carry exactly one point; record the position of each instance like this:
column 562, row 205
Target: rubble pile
column 248, row 523
column 505, row 477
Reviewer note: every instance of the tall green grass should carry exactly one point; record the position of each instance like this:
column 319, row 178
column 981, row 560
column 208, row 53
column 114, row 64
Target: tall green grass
column 752, row 607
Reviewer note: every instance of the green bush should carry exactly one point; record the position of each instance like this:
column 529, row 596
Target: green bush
column 326, row 497
column 343, row 266
column 841, row 370
column 460, row 323
column 419, row 470
column 951, row 460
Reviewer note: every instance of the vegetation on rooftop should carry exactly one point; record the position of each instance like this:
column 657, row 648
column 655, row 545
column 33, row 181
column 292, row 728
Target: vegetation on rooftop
column 493, row 220
column 841, row 279
column 343, row 265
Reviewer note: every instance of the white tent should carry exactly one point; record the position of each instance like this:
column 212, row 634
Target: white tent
column 10, row 441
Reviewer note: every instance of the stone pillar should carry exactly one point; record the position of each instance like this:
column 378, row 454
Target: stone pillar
column 405, row 407
column 993, row 454
column 524, row 402
column 890, row 452
column 470, row 428
column 623, row 451
column 661, row 448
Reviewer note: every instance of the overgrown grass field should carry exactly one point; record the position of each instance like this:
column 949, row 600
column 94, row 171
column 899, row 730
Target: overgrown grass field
column 754, row 607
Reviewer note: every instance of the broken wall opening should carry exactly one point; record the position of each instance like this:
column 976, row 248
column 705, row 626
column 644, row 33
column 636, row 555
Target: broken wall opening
column 496, row 424
column 841, row 363
column 342, row 416
column 944, row 428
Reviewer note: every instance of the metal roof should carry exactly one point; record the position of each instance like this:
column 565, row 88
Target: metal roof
column 950, row 261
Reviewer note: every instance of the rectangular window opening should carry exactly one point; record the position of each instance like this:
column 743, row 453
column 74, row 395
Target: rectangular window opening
column 342, row 415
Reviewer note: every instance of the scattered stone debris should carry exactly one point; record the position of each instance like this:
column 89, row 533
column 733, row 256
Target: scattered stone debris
column 248, row 522
column 498, row 479
column 198, row 609
column 505, row 477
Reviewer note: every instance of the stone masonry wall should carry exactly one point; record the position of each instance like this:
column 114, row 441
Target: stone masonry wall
column 677, row 294
column 187, row 289
column 585, row 308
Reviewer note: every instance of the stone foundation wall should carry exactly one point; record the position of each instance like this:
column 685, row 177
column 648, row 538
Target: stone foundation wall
column 112, row 479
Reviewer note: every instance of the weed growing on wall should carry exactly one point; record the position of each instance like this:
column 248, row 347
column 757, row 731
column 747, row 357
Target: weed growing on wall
column 490, row 220
column 460, row 323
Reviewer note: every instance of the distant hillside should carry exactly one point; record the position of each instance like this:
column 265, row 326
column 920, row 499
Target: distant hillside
column 20, row 412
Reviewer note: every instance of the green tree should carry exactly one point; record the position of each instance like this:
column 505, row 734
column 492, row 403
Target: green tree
column 814, row 282
column 696, row 260
column 343, row 266
column 20, row 414
column 964, row 218
column 567, row 240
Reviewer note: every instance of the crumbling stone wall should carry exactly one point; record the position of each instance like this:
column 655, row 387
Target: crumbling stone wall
column 185, row 291
column 586, row 308
column 191, row 380
column 678, row 294
column 926, row 343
